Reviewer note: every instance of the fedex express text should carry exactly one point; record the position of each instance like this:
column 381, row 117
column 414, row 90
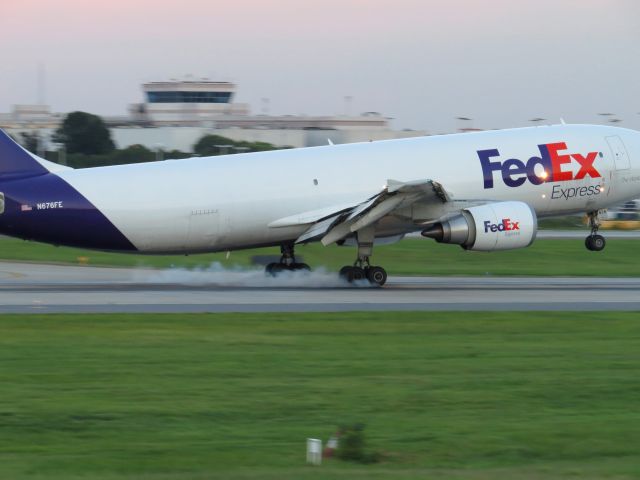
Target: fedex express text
column 554, row 162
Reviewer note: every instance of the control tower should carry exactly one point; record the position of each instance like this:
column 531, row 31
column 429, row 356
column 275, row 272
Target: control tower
column 187, row 102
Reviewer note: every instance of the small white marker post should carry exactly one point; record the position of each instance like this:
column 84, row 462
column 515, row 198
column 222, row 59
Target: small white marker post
column 314, row 451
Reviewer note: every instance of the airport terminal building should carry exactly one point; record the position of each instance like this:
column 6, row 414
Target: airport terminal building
column 176, row 114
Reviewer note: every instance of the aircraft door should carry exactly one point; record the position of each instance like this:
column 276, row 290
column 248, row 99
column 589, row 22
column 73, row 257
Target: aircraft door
column 621, row 184
column 620, row 155
column 1, row 203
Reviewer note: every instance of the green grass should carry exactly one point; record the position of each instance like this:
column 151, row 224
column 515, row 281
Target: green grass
column 409, row 257
column 443, row 395
column 569, row 222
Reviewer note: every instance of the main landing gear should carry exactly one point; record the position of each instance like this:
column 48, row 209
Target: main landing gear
column 362, row 270
column 287, row 262
column 376, row 276
column 594, row 242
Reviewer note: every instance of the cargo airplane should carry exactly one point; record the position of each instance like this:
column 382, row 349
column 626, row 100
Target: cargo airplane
column 483, row 191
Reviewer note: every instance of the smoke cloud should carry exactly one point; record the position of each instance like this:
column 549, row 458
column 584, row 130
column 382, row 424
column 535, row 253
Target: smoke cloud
column 216, row 275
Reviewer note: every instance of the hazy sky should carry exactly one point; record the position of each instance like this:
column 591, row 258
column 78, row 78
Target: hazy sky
column 423, row 63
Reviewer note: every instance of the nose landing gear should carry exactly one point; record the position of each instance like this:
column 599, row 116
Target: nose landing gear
column 594, row 242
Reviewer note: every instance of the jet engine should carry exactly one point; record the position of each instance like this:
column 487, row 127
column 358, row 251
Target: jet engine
column 494, row 226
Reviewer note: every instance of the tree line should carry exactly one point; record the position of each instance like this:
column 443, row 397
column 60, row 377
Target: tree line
column 87, row 143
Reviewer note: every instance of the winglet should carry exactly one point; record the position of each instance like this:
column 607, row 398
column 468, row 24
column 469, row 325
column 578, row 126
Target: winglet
column 330, row 142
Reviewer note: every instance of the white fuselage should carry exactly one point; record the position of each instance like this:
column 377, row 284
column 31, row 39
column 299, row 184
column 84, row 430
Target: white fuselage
column 228, row 202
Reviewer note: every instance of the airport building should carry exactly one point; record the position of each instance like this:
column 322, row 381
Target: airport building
column 176, row 114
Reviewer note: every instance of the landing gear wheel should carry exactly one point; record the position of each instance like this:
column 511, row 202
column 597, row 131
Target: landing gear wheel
column 595, row 243
column 345, row 273
column 352, row 274
column 356, row 274
column 287, row 262
column 274, row 269
column 377, row 276
column 362, row 269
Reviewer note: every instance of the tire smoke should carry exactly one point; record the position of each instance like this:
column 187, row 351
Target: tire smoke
column 216, row 275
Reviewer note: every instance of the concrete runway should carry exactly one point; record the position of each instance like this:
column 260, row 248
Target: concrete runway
column 34, row 288
column 581, row 234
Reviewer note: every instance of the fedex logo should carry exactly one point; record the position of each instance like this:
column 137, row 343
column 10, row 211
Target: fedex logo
column 552, row 158
column 505, row 226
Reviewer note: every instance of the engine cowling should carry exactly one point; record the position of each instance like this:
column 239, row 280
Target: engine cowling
column 494, row 226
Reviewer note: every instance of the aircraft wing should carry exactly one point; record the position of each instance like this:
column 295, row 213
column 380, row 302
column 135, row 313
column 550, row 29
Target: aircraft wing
column 334, row 224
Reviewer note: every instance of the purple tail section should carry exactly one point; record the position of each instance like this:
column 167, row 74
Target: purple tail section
column 15, row 162
column 36, row 204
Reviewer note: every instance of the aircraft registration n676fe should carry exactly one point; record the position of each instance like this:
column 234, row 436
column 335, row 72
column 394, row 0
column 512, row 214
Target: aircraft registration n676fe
column 481, row 190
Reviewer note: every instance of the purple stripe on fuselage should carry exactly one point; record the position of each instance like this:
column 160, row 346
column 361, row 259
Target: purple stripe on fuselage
column 46, row 208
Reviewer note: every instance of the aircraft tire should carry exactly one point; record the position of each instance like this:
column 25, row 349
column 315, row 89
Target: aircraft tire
column 274, row 269
column 598, row 243
column 345, row 272
column 595, row 243
column 377, row 276
column 357, row 274
column 352, row 274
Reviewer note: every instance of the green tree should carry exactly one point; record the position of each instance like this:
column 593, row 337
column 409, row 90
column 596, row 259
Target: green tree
column 176, row 155
column 133, row 154
column 30, row 141
column 83, row 132
column 211, row 145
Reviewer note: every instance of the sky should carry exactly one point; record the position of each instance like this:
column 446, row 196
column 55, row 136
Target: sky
column 421, row 62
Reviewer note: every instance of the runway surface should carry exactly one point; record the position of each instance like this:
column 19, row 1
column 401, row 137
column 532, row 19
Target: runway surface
column 580, row 234
column 33, row 288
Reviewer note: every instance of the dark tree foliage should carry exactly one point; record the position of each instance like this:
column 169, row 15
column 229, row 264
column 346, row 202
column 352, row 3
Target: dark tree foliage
column 176, row 154
column 30, row 141
column 132, row 154
column 211, row 145
column 84, row 133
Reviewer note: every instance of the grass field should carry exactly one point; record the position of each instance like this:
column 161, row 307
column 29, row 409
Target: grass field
column 443, row 395
column 411, row 256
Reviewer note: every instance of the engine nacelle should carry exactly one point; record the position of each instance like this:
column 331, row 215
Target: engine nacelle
column 494, row 226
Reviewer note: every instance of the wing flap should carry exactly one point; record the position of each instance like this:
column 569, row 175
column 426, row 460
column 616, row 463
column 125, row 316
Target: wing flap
column 317, row 230
column 333, row 224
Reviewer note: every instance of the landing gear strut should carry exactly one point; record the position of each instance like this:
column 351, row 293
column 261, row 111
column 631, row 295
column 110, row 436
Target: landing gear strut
column 594, row 242
column 287, row 262
column 362, row 270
